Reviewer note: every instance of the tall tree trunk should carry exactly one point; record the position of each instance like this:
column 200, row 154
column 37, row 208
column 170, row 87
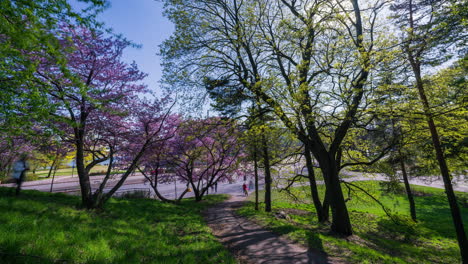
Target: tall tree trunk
column 83, row 176
column 341, row 223
column 326, row 205
column 454, row 209
column 313, row 185
column 266, row 165
column 198, row 196
column 409, row 193
column 256, row 175
column 414, row 59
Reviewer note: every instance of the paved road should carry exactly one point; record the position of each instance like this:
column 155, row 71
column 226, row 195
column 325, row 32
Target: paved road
column 68, row 184
column 460, row 183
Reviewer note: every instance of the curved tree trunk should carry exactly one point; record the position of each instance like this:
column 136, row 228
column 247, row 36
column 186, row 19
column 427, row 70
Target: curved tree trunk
column 182, row 195
column 160, row 196
column 154, row 184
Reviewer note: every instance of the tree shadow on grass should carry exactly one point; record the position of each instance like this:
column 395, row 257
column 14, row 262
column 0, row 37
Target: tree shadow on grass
column 48, row 227
column 256, row 243
column 403, row 238
column 434, row 214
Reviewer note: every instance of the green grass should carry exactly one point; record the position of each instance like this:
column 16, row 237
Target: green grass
column 68, row 171
column 377, row 239
column 49, row 228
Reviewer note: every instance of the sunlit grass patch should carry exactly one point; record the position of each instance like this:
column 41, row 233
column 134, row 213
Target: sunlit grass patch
column 49, row 228
column 378, row 238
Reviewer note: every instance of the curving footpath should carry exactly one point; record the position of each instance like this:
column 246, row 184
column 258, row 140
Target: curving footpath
column 251, row 243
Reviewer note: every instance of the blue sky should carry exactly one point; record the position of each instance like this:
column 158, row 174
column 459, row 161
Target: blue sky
column 142, row 22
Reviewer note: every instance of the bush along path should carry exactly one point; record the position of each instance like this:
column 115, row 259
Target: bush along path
column 251, row 243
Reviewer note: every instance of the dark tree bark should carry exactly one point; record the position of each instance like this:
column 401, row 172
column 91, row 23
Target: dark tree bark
column 454, row 208
column 53, row 178
column 52, row 167
column 414, row 57
column 247, row 67
column 409, row 193
column 83, row 176
column 313, row 186
column 326, row 206
column 154, row 181
column 256, row 175
column 266, row 164
column 341, row 223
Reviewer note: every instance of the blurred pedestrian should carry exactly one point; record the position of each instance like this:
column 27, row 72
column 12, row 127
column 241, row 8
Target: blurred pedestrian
column 245, row 189
column 19, row 172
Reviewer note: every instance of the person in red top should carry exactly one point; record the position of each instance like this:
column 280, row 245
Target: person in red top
column 245, row 189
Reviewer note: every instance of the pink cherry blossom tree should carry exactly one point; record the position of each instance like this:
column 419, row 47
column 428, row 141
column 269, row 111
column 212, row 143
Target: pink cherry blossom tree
column 11, row 147
column 201, row 153
column 128, row 141
column 98, row 107
column 154, row 165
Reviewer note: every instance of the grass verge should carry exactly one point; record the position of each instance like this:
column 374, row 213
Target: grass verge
column 49, row 228
column 378, row 238
column 99, row 169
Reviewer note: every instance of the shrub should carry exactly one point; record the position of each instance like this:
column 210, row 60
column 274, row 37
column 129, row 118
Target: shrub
column 135, row 194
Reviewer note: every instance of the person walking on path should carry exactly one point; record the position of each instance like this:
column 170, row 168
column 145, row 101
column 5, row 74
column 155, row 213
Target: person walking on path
column 245, row 189
column 19, row 172
column 251, row 185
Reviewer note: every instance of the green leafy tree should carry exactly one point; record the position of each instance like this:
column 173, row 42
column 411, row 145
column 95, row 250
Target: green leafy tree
column 310, row 62
column 28, row 27
column 430, row 32
column 229, row 99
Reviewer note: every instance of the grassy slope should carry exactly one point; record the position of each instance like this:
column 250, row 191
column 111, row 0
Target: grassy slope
column 68, row 171
column 48, row 228
column 378, row 239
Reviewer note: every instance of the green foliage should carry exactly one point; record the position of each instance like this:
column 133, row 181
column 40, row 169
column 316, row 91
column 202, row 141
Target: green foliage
column 227, row 99
column 27, row 27
column 392, row 186
column 48, row 228
column 377, row 239
column 447, row 95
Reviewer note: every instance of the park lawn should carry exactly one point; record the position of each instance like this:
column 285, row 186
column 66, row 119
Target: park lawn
column 377, row 239
column 68, row 171
column 50, row 228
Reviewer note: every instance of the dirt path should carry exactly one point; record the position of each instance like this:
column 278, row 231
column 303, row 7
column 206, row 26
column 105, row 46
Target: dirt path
column 250, row 242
